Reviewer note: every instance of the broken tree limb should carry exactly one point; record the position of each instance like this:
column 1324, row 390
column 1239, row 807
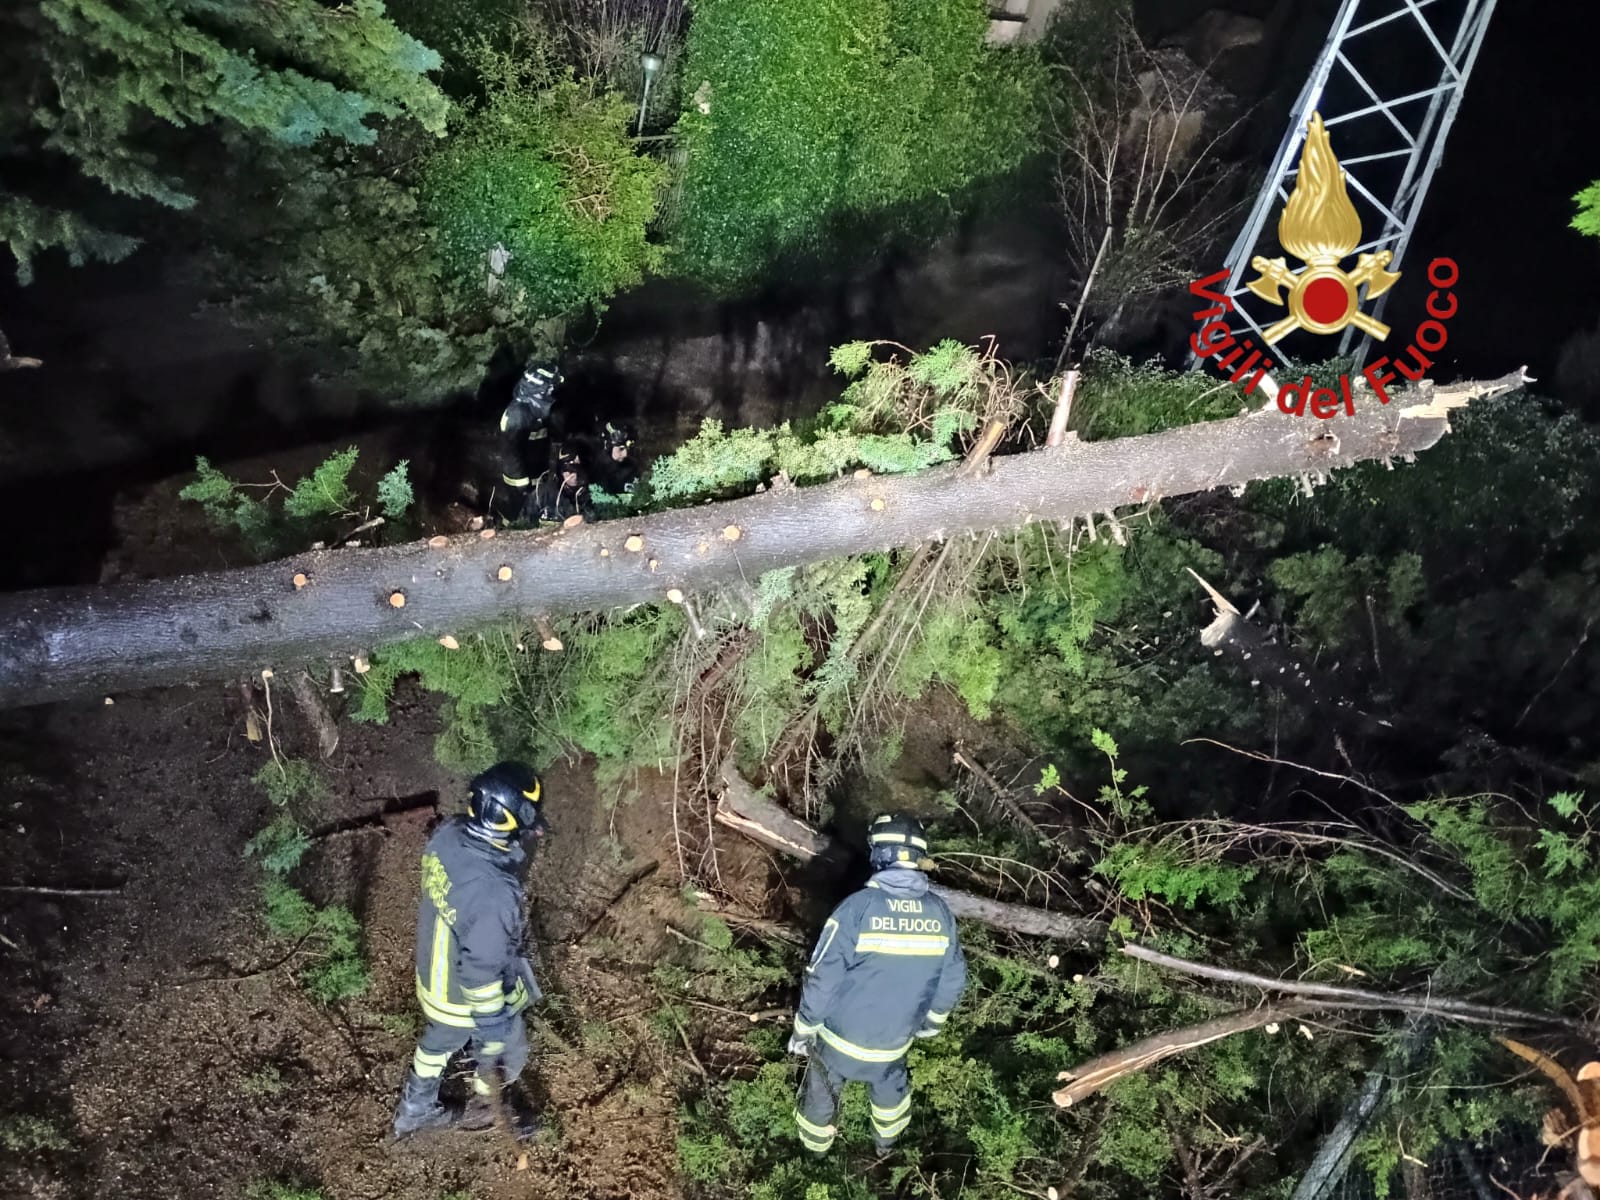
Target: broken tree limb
column 1360, row 998
column 315, row 712
column 742, row 808
column 1002, row 795
column 61, row 643
column 1088, row 1078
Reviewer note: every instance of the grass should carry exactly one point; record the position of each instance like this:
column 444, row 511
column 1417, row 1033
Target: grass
column 273, row 1189
column 22, row 1134
column 263, row 1082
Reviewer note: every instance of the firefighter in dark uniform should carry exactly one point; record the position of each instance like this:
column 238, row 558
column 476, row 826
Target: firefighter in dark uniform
column 614, row 471
column 473, row 980
column 525, row 438
column 561, row 492
column 887, row 969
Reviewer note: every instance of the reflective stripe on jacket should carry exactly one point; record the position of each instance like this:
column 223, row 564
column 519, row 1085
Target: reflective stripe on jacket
column 469, row 930
column 887, row 966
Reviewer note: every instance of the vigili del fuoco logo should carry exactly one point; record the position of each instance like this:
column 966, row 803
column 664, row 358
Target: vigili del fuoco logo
column 1321, row 227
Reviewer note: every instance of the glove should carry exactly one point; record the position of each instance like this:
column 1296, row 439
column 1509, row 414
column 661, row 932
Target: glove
column 799, row 1045
column 525, row 972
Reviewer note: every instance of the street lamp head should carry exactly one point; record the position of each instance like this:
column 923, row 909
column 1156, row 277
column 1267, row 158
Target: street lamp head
column 652, row 64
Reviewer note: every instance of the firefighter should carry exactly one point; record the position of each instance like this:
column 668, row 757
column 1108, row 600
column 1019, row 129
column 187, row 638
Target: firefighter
column 614, row 470
column 561, row 492
column 886, row 970
column 525, row 437
column 473, row 980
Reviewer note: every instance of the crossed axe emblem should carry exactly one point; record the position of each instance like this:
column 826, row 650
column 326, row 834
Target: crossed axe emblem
column 1323, row 298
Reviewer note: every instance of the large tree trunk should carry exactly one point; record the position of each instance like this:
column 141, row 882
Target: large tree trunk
column 62, row 643
column 741, row 807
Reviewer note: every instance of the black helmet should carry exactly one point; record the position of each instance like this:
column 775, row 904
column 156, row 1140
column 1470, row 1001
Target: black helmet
column 616, row 435
column 896, row 840
column 538, row 384
column 503, row 803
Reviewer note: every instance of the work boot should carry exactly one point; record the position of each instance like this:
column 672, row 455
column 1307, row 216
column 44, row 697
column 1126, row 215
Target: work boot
column 420, row 1108
column 480, row 1114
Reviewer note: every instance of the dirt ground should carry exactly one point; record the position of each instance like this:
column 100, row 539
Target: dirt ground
column 161, row 1031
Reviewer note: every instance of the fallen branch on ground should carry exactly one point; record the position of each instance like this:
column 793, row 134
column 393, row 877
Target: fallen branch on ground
column 741, row 807
column 1088, row 1078
column 1361, row 998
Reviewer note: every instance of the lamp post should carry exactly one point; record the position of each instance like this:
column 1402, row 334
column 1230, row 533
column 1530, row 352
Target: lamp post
column 651, row 64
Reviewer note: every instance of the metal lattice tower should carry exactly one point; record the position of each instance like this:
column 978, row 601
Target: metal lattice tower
column 1388, row 84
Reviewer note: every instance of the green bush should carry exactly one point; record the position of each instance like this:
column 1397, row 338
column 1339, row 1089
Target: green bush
column 23, row 1134
column 545, row 169
column 834, row 110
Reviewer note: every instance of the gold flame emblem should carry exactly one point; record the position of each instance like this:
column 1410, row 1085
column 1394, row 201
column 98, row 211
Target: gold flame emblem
column 1320, row 226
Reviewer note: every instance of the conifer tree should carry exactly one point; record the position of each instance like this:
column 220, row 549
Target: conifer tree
column 108, row 86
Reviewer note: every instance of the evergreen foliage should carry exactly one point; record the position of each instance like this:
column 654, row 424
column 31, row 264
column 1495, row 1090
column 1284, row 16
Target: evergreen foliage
column 545, row 170
column 122, row 78
column 315, row 503
column 802, row 116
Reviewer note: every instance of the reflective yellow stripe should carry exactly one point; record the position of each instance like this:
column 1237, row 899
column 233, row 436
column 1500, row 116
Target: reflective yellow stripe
column 458, row 1016
column 886, row 1116
column 484, row 992
column 439, row 974
column 937, row 1018
column 428, row 1066
column 820, row 1132
column 803, row 1029
column 480, row 1085
column 504, row 422
column 918, row 944
column 860, row 1053
column 891, row 1131
column 519, row 481
column 816, row 1147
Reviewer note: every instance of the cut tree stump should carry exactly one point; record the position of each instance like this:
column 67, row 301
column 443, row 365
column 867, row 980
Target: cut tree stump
column 742, row 808
column 62, row 643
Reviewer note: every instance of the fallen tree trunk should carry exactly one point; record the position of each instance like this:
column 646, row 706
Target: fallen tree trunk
column 331, row 605
column 741, row 807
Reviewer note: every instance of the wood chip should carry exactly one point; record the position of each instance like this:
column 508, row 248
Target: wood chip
column 300, row 580
column 109, row 700
column 634, row 543
column 449, row 643
column 551, row 644
column 475, row 524
column 361, row 664
column 675, row 595
column 877, row 504
column 266, row 672
column 486, row 534
column 573, row 521
column 731, row 533
column 604, row 553
column 439, row 542
column 503, row 574
column 863, row 473
column 397, row 599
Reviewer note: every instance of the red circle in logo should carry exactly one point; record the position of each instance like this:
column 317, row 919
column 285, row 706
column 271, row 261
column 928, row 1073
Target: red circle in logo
column 1326, row 301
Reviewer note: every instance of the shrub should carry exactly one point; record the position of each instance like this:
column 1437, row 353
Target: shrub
column 832, row 110
column 544, row 169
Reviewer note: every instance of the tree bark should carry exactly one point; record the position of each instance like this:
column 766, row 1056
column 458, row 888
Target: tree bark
column 1360, row 998
column 741, row 807
column 1088, row 1078
column 62, row 643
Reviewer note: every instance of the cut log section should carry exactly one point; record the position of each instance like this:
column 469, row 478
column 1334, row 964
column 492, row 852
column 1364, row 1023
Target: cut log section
column 62, row 643
column 742, row 808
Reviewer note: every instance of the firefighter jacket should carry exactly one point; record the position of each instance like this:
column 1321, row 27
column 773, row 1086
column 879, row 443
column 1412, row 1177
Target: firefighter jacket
column 887, row 968
column 470, row 968
column 555, row 500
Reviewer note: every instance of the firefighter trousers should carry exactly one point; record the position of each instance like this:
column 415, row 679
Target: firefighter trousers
column 888, row 1085
column 439, row 1042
